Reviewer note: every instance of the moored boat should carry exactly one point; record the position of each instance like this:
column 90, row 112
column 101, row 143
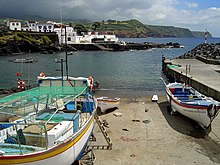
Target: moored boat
column 51, row 124
column 24, row 60
column 105, row 103
column 192, row 104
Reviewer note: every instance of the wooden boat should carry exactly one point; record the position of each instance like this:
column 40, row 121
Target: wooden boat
column 192, row 104
column 54, row 126
column 105, row 103
column 24, row 60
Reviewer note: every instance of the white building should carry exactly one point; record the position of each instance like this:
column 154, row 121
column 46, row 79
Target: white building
column 97, row 37
column 44, row 27
column 71, row 35
column 14, row 25
column 24, row 28
column 32, row 26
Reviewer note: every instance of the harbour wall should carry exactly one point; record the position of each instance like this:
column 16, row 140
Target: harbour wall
column 174, row 74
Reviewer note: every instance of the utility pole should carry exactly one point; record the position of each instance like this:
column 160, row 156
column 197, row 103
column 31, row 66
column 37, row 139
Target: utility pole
column 66, row 54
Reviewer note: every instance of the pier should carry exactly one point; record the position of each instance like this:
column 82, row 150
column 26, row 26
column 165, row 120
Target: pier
column 203, row 77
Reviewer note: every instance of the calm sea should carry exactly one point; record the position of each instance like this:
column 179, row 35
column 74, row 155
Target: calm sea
column 126, row 73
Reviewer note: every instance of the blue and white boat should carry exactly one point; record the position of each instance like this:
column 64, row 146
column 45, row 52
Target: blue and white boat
column 49, row 124
column 192, row 104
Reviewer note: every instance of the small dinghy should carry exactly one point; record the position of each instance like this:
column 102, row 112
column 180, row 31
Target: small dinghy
column 105, row 103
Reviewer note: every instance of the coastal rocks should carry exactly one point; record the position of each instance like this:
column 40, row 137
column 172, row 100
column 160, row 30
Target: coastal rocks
column 208, row 53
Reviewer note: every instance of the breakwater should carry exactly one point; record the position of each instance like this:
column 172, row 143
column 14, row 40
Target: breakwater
column 208, row 53
column 121, row 46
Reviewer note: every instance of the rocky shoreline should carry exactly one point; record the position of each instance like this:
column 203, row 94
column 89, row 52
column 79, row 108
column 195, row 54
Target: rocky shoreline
column 15, row 47
column 208, row 53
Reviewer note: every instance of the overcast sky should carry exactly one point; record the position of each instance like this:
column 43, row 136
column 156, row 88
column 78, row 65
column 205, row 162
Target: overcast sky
column 196, row 15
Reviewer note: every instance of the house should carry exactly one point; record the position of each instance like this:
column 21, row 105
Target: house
column 14, row 25
column 99, row 37
column 71, row 35
column 44, row 27
column 32, row 26
column 24, row 28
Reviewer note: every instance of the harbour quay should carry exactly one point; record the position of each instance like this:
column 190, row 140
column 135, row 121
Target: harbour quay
column 204, row 77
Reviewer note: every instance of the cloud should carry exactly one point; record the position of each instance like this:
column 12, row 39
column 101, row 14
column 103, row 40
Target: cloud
column 156, row 12
column 192, row 5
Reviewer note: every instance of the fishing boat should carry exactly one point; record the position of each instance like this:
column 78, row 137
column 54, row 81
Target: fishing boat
column 105, row 103
column 192, row 104
column 24, row 60
column 49, row 124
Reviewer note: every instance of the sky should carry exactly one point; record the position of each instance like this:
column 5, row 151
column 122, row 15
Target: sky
column 196, row 15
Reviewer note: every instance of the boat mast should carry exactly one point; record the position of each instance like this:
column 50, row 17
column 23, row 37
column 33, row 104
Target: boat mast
column 66, row 54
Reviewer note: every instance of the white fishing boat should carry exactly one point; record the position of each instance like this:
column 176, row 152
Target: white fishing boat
column 192, row 104
column 24, row 60
column 52, row 124
column 105, row 103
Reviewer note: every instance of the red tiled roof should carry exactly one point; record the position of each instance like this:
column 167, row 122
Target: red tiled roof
column 14, row 21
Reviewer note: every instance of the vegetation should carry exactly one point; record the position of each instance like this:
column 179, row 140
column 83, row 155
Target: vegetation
column 25, row 36
column 79, row 28
column 15, row 42
column 135, row 28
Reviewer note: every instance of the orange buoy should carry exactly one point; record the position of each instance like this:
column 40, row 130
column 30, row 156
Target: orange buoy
column 21, row 85
column 41, row 74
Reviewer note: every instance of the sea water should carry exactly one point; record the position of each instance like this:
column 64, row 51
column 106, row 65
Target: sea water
column 123, row 73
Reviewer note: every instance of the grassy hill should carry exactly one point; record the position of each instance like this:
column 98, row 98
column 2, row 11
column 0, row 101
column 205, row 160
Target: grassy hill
column 135, row 28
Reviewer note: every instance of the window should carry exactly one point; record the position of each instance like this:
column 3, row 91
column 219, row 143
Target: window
column 17, row 24
column 39, row 27
column 45, row 27
column 69, row 38
column 49, row 27
column 13, row 24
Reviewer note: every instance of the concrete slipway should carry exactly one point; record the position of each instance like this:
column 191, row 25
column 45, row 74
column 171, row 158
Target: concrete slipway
column 147, row 134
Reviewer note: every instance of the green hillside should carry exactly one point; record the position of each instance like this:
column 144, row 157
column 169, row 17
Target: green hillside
column 135, row 28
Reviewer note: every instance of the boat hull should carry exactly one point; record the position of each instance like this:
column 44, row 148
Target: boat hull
column 106, row 103
column 192, row 104
column 64, row 153
column 196, row 113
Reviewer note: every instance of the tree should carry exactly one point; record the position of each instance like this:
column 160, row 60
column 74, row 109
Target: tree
column 79, row 28
column 95, row 25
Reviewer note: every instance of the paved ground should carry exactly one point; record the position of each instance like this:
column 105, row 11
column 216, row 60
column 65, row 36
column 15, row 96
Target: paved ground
column 208, row 74
column 155, row 137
